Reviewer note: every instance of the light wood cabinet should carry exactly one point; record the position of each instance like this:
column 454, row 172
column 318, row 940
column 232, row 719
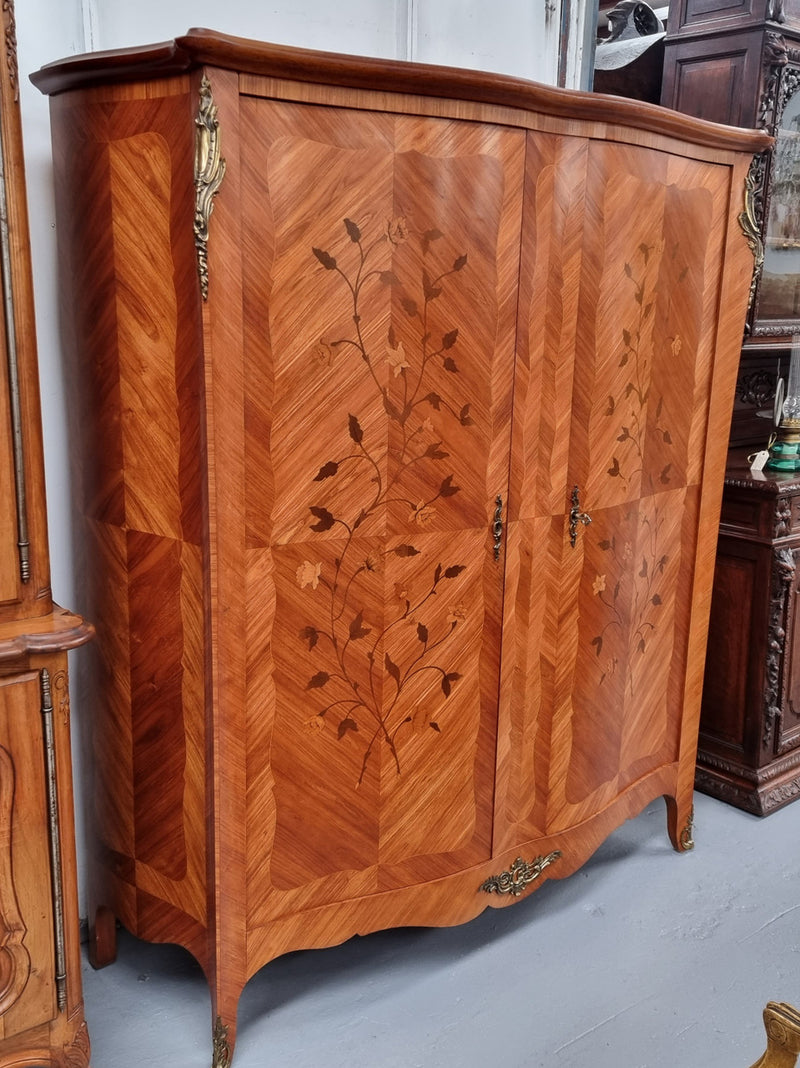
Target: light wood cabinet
column 41, row 1004
column 402, row 471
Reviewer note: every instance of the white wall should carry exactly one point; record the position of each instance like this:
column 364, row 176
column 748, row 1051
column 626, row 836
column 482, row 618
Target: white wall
column 518, row 37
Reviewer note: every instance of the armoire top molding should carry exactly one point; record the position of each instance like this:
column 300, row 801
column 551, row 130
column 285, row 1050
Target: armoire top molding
column 202, row 47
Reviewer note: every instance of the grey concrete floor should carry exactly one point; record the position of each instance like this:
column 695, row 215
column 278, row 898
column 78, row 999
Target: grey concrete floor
column 642, row 959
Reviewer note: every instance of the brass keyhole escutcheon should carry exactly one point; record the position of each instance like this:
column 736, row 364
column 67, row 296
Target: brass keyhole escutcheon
column 576, row 516
column 497, row 526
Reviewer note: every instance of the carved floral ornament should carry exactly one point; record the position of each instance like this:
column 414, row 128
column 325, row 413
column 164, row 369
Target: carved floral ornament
column 10, row 34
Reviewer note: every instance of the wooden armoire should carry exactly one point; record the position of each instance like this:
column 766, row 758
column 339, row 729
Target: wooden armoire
column 41, row 1002
column 405, row 394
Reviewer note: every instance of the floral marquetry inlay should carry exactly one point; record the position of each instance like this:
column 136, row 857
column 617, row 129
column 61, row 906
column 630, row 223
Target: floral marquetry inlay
column 634, row 564
column 364, row 688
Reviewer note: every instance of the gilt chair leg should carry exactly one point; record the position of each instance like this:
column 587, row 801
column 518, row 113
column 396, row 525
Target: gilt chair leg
column 782, row 1024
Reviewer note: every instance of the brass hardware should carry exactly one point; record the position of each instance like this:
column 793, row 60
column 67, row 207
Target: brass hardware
column 222, row 1051
column 782, row 1024
column 686, row 839
column 521, row 875
column 497, row 526
column 55, row 840
column 23, row 544
column 209, row 170
column 576, row 516
column 749, row 219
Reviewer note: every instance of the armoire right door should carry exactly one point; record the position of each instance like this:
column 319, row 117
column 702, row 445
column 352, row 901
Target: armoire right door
column 615, row 372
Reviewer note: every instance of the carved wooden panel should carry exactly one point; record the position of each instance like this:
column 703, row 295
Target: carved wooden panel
column 27, row 958
column 749, row 751
column 787, row 732
column 715, row 78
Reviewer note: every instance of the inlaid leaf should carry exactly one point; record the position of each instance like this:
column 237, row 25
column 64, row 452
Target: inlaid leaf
column 434, row 400
column 664, row 476
column 406, row 550
column 614, row 470
column 456, row 569
column 324, row 517
column 447, row 680
column 464, row 417
column 357, row 628
column 460, row 262
column 422, row 632
column 352, row 230
column 427, row 237
column 346, row 725
column 325, row 258
column 356, row 433
column 656, row 599
column 625, row 435
column 435, row 726
column 409, row 306
column 435, row 453
column 447, row 489
column 311, row 635
column 430, row 290
column 450, row 365
column 598, row 644
column 449, row 339
column 318, row 680
column 611, row 406
column 667, row 437
column 392, row 668
column 326, row 471
column 389, row 278
column 644, row 570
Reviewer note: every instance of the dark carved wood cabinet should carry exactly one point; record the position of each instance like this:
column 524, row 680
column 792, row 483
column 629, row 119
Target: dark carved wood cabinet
column 738, row 62
column 41, row 1006
column 401, row 476
column 749, row 749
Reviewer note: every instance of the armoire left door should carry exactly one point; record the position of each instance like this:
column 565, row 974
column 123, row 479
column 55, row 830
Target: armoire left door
column 380, row 294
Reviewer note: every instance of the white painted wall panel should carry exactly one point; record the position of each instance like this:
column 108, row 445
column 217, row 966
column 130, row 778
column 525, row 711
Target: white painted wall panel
column 518, row 37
